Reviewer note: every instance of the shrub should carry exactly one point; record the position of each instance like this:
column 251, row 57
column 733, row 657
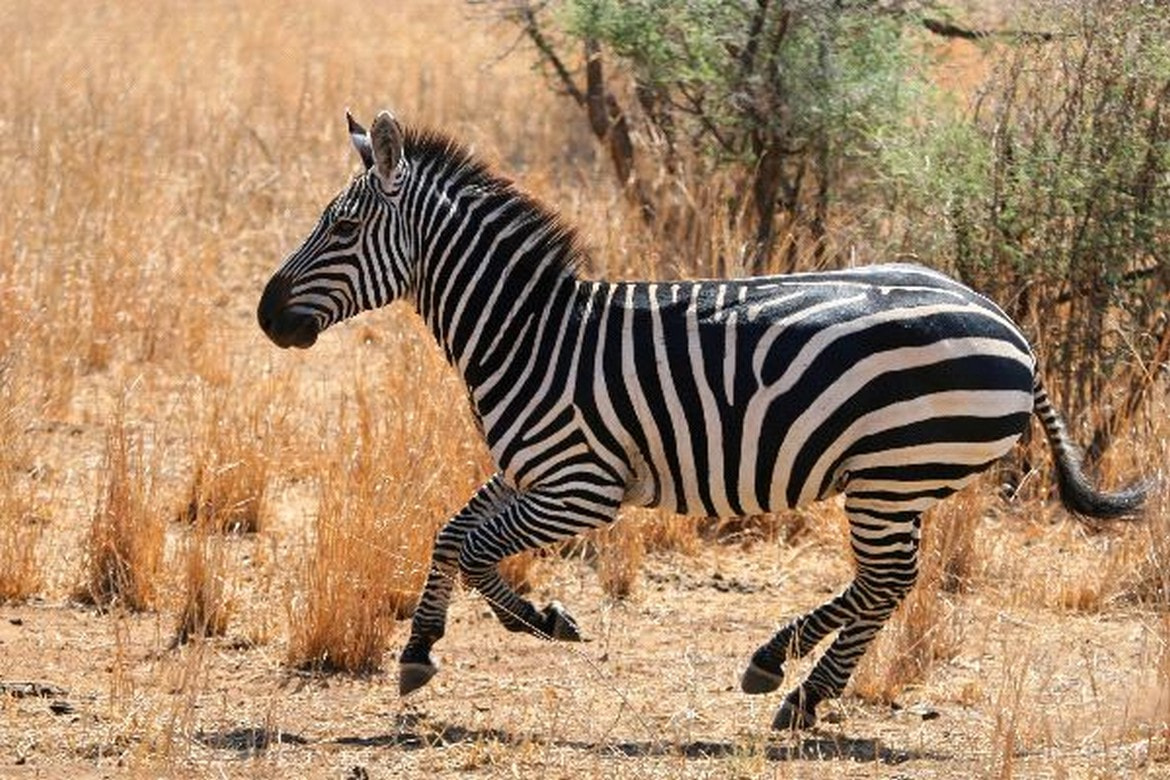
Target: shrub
column 1050, row 194
column 722, row 117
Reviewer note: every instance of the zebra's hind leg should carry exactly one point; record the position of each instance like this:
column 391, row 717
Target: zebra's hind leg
column 885, row 545
column 827, row 679
column 415, row 665
column 536, row 519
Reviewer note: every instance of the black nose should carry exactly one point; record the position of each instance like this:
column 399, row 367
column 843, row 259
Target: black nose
column 274, row 298
column 287, row 326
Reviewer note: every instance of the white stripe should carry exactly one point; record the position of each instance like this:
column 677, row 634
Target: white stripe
column 665, row 485
column 730, row 356
column 863, row 484
column 684, row 449
column 711, row 416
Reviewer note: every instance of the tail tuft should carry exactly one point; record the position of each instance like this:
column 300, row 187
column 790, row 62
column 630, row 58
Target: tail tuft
column 1076, row 491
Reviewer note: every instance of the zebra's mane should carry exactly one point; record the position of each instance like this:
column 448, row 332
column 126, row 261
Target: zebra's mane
column 456, row 165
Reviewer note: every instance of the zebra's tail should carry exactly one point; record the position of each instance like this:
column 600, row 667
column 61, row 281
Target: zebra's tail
column 1077, row 493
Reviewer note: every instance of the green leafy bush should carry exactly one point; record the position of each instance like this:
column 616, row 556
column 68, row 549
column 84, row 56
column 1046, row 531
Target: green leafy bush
column 763, row 113
column 1051, row 194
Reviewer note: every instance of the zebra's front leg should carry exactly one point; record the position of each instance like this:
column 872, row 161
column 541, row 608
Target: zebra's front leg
column 886, row 549
column 535, row 519
column 415, row 665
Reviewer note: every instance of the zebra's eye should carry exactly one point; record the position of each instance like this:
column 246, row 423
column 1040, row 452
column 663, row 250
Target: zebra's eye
column 345, row 228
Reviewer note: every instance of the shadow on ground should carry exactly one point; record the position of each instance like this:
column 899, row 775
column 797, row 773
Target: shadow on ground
column 248, row 740
column 413, row 733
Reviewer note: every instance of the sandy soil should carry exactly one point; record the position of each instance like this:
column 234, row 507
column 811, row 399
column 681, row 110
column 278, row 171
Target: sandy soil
column 653, row 693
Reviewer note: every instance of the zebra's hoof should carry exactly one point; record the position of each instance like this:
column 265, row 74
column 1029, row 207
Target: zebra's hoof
column 559, row 624
column 795, row 714
column 757, row 680
column 412, row 676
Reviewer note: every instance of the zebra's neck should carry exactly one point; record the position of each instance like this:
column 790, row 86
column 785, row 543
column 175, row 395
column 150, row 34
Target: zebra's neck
column 494, row 267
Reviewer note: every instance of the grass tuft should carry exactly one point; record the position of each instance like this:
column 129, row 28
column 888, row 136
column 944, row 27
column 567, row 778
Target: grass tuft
column 367, row 565
column 621, row 549
column 206, row 608
column 235, row 451
column 21, row 530
column 21, row 523
column 124, row 548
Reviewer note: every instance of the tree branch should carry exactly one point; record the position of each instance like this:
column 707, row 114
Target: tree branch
column 548, row 53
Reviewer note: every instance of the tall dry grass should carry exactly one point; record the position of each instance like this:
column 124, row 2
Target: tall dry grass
column 382, row 493
column 21, row 524
column 154, row 170
column 1145, row 578
column 206, row 606
column 242, row 434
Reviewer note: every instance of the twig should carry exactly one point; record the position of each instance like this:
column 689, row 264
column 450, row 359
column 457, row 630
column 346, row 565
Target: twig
column 951, row 30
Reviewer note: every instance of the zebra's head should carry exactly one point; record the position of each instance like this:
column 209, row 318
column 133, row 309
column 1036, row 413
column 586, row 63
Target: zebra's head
column 356, row 257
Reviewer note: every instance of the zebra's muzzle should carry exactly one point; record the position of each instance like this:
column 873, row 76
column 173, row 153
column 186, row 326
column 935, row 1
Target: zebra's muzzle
column 287, row 326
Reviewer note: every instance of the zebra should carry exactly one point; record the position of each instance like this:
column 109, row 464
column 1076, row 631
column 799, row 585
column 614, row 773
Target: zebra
column 893, row 385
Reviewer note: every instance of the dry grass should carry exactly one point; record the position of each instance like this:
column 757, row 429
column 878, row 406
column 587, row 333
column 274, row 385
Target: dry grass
column 20, row 533
column 21, row 525
column 621, row 550
column 206, row 607
column 1146, row 580
column 155, row 161
column 380, row 503
column 243, row 434
column 124, row 549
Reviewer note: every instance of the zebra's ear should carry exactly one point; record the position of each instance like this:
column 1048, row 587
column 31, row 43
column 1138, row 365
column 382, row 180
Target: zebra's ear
column 386, row 139
column 361, row 140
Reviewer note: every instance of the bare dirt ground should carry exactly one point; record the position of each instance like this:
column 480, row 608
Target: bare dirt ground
column 653, row 693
